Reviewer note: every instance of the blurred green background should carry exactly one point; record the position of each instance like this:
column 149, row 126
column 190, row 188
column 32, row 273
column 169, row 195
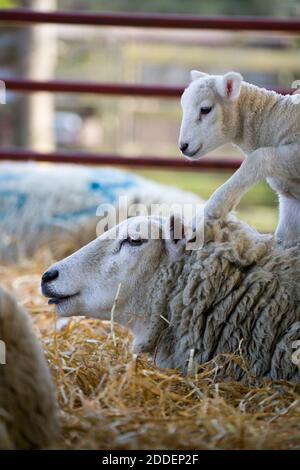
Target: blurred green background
column 213, row 7
column 258, row 207
column 139, row 126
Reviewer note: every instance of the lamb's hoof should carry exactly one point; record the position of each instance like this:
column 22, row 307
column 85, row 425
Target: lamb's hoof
column 287, row 243
column 278, row 240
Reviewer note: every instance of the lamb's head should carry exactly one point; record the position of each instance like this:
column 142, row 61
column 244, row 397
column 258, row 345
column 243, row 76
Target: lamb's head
column 86, row 282
column 209, row 112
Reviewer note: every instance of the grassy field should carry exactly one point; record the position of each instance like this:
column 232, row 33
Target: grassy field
column 258, row 207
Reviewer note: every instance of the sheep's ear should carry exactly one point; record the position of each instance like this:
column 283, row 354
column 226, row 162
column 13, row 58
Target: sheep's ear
column 195, row 74
column 229, row 85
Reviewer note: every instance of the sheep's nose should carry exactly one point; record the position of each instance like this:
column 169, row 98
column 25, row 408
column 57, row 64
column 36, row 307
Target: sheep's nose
column 50, row 275
column 184, row 146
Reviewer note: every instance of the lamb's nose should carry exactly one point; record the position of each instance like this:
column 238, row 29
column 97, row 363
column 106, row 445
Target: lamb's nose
column 184, row 146
column 50, row 275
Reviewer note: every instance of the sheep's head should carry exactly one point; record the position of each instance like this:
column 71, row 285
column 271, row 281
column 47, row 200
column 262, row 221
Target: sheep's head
column 86, row 282
column 208, row 106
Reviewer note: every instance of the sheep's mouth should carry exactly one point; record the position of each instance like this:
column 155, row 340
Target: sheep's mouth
column 58, row 299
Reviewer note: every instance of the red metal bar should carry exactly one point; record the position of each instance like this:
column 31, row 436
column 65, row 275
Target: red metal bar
column 145, row 20
column 110, row 159
column 18, row 84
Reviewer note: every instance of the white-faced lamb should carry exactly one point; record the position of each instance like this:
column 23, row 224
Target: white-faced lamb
column 28, row 412
column 218, row 109
column 239, row 293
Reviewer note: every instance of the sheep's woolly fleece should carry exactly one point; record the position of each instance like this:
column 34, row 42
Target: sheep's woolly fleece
column 241, row 290
column 28, row 410
column 109, row 399
column 44, row 204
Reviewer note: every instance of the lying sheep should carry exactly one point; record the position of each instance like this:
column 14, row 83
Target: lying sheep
column 56, row 205
column 263, row 124
column 28, row 417
column 240, row 292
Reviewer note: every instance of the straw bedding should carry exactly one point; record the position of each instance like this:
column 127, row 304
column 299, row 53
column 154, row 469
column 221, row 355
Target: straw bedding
column 110, row 399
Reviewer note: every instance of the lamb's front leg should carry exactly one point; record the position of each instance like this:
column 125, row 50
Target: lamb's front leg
column 281, row 166
column 226, row 197
column 288, row 229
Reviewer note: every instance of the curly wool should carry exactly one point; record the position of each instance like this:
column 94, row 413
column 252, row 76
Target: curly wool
column 28, row 415
column 239, row 293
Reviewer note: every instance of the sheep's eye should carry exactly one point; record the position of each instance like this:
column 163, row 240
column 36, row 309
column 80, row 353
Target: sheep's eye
column 135, row 241
column 132, row 242
column 205, row 110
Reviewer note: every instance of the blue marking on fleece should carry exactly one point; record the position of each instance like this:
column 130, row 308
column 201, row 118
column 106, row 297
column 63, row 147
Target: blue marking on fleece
column 10, row 176
column 15, row 199
column 105, row 183
column 107, row 191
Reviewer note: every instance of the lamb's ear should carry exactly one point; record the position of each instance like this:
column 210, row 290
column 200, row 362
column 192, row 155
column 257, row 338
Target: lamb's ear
column 195, row 74
column 229, row 85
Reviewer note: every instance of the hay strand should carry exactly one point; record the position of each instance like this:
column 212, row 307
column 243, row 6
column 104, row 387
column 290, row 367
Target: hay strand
column 112, row 313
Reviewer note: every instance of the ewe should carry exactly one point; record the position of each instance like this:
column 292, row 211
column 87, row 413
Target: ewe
column 55, row 206
column 28, row 417
column 265, row 125
column 241, row 291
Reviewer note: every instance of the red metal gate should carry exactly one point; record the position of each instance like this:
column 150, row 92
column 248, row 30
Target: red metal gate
column 21, row 16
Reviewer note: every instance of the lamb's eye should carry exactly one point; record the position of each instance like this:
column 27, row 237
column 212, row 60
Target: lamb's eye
column 205, row 110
